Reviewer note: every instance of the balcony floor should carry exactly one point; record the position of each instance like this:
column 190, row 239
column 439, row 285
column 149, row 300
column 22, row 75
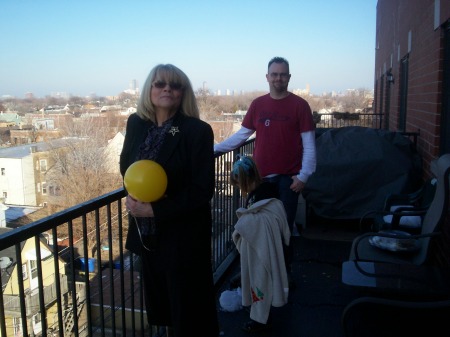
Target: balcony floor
column 316, row 304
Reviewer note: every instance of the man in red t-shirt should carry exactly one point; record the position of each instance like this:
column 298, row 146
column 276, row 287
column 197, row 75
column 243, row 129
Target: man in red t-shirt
column 285, row 147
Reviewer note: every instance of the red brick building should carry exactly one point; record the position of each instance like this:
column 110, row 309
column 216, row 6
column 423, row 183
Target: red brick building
column 412, row 71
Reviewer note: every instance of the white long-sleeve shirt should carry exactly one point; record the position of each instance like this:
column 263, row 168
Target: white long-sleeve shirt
column 309, row 149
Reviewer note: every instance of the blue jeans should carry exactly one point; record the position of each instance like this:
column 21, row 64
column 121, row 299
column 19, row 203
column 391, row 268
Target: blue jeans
column 289, row 199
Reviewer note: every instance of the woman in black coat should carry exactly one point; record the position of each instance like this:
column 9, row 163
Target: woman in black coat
column 172, row 235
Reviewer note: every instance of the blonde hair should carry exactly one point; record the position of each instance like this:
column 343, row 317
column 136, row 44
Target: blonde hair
column 169, row 74
column 245, row 174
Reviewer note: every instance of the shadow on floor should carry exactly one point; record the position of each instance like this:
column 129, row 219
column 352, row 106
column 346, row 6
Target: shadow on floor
column 316, row 304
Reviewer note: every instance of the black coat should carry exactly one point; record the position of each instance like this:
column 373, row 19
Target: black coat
column 187, row 156
column 178, row 276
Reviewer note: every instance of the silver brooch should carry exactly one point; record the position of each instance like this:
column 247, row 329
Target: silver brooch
column 173, row 130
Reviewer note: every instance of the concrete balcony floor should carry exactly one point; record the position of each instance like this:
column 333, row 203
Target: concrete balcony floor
column 316, row 304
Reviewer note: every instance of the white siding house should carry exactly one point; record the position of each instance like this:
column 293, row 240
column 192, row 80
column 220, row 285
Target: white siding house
column 23, row 172
column 17, row 180
column 112, row 152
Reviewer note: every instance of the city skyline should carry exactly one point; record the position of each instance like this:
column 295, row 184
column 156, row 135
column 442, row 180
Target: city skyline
column 83, row 48
column 135, row 90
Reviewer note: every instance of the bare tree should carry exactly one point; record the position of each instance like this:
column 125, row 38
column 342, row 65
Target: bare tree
column 354, row 100
column 207, row 103
column 80, row 170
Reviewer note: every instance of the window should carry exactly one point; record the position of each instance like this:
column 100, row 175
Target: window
column 44, row 188
column 43, row 165
column 387, row 100
column 37, row 319
column 37, row 327
column 33, row 269
column 401, row 125
column 5, row 195
column 24, row 271
column 17, row 323
column 445, row 115
column 3, row 171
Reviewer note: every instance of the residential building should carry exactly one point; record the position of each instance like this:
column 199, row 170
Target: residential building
column 27, row 271
column 8, row 119
column 23, row 172
column 112, row 153
column 412, row 72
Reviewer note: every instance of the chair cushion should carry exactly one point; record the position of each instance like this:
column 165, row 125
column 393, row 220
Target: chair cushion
column 413, row 221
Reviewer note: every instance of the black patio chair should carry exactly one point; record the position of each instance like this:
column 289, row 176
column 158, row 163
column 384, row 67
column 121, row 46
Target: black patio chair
column 394, row 247
column 375, row 317
column 403, row 211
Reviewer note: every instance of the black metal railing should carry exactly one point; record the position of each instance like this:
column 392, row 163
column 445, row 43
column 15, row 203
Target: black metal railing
column 89, row 284
column 343, row 119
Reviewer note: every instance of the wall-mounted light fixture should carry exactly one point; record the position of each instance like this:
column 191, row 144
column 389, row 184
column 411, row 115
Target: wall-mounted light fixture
column 390, row 77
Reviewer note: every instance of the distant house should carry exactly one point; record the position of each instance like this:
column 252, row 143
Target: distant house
column 23, row 179
column 112, row 152
column 49, row 120
column 325, row 114
column 132, row 303
column 236, row 116
column 226, row 125
column 8, row 119
column 109, row 108
column 28, row 134
column 223, row 129
column 28, row 277
column 3, row 209
column 412, row 72
column 128, row 111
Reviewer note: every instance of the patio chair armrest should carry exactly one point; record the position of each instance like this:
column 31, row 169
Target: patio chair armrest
column 404, row 212
column 399, row 199
column 373, row 213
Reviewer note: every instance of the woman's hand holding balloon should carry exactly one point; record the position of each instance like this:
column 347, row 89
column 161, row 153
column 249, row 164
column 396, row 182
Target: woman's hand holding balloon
column 139, row 209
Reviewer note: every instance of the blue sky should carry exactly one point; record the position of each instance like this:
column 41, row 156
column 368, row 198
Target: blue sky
column 84, row 47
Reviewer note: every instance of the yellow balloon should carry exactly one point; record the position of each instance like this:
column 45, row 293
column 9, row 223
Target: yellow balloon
column 145, row 180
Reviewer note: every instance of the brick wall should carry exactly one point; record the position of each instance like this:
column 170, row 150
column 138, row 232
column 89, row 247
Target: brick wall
column 406, row 28
column 397, row 22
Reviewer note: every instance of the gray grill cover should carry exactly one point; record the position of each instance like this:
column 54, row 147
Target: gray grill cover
column 357, row 167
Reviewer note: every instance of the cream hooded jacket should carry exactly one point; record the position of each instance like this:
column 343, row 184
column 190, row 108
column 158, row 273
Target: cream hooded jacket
column 259, row 235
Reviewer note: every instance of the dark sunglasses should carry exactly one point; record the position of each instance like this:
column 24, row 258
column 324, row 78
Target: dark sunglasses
column 162, row 85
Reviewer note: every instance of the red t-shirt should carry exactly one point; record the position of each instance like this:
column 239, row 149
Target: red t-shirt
column 278, row 124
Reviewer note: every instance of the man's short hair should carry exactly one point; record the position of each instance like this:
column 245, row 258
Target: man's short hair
column 278, row 59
